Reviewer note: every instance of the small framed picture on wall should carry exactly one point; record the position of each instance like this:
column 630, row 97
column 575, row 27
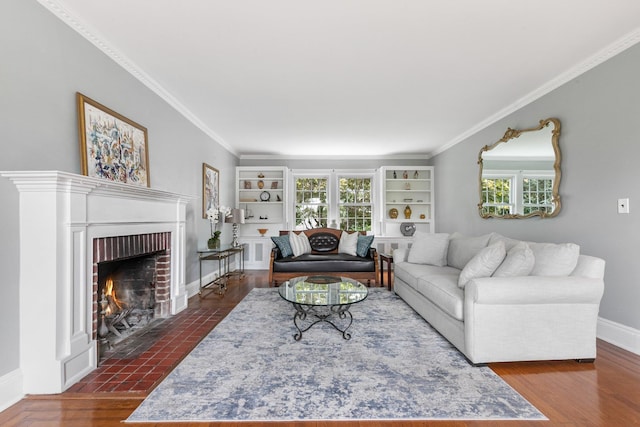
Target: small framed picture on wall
column 210, row 188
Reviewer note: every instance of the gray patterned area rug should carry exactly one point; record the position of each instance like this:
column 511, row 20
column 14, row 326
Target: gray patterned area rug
column 395, row 367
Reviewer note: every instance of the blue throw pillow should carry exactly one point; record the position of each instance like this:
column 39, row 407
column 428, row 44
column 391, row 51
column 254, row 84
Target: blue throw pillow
column 364, row 244
column 282, row 242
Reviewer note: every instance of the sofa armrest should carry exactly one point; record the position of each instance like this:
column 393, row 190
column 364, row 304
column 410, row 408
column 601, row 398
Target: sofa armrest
column 275, row 253
column 373, row 253
column 400, row 255
column 534, row 290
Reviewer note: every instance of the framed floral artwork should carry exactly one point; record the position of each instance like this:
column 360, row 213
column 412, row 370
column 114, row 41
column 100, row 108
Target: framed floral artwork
column 210, row 188
column 112, row 146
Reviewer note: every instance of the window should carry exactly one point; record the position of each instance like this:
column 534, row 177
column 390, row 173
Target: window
column 496, row 195
column 355, row 203
column 516, row 193
column 342, row 200
column 311, row 202
column 537, row 194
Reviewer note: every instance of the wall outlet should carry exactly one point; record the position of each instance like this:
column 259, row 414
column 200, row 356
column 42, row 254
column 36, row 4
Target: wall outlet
column 623, row 206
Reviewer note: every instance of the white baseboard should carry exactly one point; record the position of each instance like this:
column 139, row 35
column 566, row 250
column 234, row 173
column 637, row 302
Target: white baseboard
column 619, row 335
column 194, row 287
column 10, row 389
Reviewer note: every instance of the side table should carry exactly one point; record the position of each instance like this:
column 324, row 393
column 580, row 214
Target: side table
column 222, row 255
column 388, row 259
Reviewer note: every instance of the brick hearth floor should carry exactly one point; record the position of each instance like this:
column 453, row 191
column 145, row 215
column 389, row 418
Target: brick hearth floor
column 139, row 365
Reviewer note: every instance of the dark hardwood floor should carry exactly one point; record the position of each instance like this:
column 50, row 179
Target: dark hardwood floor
column 604, row 393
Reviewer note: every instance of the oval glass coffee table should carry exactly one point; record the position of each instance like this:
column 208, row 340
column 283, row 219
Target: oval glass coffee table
column 322, row 299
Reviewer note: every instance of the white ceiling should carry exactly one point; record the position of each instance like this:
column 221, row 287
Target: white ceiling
column 341, row 77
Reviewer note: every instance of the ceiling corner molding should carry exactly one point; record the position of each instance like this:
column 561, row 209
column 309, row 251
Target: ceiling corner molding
column 603, row 55
column 94, row 37
column 333, row 157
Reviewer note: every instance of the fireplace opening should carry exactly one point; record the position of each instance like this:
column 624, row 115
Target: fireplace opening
column 126, row 298
column 131, row 284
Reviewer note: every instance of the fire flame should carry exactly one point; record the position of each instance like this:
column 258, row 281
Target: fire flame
column 110, row 293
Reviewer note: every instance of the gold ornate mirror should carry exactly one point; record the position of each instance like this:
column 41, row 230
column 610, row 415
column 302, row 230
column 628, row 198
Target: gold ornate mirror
column 520, row 173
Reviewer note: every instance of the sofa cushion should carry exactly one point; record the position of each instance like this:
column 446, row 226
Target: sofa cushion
column 322, row 263
column 463, row 248
column 518, row 262
column 508, row 242
column 429, row 248
column 299, row 243
column 282, row 242
column 409, row 273
column 443, row 291
column 483, row 264
column 554, row 259
column 364, row 244
column 348, row 243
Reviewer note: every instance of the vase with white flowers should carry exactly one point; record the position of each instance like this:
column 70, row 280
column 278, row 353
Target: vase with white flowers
column 216, row 215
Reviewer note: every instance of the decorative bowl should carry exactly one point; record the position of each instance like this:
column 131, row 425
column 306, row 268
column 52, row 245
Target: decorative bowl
column 262, row 231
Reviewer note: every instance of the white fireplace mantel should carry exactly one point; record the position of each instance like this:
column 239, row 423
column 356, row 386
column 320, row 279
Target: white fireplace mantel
column 60, row 215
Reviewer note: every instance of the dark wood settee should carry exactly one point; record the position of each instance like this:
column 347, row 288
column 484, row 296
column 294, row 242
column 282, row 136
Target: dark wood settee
column 324, row 259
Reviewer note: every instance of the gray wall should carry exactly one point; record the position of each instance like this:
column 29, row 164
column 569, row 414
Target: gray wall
column 600, row 145
column 44, row 63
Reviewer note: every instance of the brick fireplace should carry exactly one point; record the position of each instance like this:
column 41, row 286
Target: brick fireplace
column 68, row 224
column 132, row 278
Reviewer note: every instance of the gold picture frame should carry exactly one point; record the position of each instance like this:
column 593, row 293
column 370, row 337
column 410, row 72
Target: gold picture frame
column 112, row 147
column 210, row 188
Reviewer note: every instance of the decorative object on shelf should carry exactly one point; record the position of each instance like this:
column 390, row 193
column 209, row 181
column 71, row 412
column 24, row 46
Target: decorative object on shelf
column 405, row 175
column 248, row 213
column 407, row 186
column 236, row 216
column 408, row 200
column 393, row 213
column 210, row 189
column 274, row 185
column 247, row 185
column 265, row 196
column 407, row 228
column 395, row 175
column 416, row 175
column 112, row 147
column 216, row 216
column 264, row 217
column 278, row 198
column 261, row 184
column 423, row 216
column 407, row 212
column 260, row 175
column 263, row 231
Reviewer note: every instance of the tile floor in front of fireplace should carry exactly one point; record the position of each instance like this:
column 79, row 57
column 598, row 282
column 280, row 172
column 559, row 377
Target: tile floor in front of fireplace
column 137, row 365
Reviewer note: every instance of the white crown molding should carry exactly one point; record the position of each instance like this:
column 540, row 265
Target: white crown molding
column 93, row 36
column 420, row 156
column 603, row 55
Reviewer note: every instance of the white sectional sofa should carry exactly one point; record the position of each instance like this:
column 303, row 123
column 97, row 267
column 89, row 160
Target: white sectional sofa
column 497, row 299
